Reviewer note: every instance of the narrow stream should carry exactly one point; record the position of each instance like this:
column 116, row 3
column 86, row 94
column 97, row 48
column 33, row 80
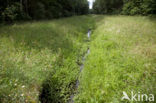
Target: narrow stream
column 81, row 68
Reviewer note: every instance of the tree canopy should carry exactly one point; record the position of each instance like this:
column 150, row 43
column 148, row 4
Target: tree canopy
column 41, row 9
column 127, row 7
column 106, row 6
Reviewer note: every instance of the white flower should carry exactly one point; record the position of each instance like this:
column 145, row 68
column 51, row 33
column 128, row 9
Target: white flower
column 23, row 86
column 22, row 95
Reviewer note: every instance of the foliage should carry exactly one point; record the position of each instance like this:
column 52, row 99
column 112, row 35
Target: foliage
column 126, row 7
column 11, row 13
column 41, row 9
column 39, row 12
column 142, row 7
column 106, row 6
column 122, row 58
column 40, row 59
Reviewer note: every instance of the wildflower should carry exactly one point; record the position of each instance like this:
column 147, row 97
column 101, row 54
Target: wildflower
column 23, row 86
column 22, row 95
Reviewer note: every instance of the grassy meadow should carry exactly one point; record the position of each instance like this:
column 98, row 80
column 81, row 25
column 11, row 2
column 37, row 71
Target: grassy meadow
column 39, row 61
column 122, row 58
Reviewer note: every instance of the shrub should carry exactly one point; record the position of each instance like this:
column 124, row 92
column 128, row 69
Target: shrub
column 13, row 13
column 135, row 7
column 127, row 8
column 135, row 11
column 9, row 13
column 148, row 7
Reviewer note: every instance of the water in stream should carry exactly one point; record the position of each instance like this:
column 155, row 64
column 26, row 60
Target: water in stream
column 81, row 67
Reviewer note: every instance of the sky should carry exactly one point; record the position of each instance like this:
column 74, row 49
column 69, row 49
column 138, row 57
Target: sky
column 91, row 3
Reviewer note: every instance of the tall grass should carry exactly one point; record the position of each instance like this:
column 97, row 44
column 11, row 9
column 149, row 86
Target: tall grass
column 39, row 60
column 122, row 58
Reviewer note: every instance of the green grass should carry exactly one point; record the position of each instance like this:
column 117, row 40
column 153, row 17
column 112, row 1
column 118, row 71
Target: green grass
column 122, row 58
column 39, row 60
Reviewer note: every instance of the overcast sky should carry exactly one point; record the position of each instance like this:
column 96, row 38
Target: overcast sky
column 91, row 3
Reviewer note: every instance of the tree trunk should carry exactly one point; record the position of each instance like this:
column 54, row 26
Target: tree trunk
column 21, row 8
column 26, row 7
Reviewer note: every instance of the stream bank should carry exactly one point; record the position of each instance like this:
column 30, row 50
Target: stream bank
column 81, row 68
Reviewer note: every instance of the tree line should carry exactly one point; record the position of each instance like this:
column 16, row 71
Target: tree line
column 126, row 7
column 13, row 10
